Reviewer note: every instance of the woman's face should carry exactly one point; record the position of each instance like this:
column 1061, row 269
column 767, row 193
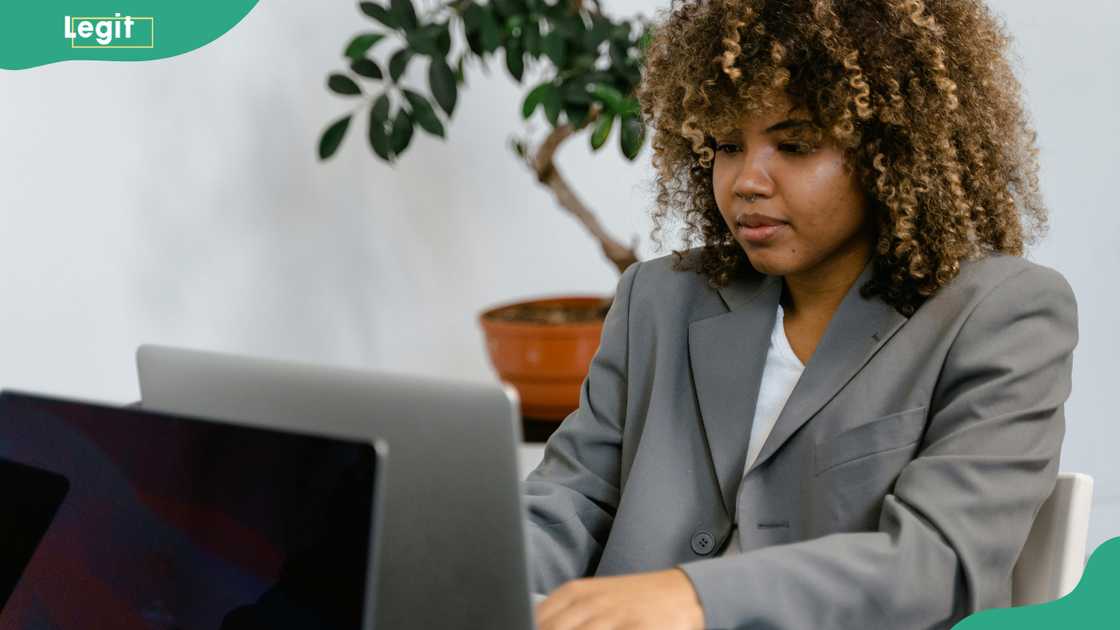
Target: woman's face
column 820, row 212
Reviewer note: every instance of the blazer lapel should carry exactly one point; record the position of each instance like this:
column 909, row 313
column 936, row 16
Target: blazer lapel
column 856, row 332
column 727, row 354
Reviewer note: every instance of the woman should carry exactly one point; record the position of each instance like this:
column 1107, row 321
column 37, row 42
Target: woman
column 844, row 408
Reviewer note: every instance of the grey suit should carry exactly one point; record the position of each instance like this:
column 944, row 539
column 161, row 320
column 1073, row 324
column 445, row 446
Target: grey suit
column 895, row 490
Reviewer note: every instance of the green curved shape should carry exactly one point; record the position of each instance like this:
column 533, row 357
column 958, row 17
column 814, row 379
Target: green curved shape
column 40, row 32
column 1092, row 604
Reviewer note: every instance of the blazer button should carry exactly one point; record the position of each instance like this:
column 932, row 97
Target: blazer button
column 703, row 543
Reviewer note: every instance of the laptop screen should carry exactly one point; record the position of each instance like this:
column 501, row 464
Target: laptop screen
column 121, row 518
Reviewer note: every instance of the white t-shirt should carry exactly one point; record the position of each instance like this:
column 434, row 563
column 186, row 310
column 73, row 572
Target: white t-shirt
column 779, row 376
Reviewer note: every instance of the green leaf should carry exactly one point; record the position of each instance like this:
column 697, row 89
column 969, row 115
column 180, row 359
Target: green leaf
column 553, row 103
column 631, row 106
column 584, row 62
column 379, row 13
column 515, row 62
column 555, row 11
column 610, row 97
column 360, row 45
column 644, row 40
column 422, row 42
column 575, row 91
column 474, row 41
column 366, row 68
column 472, row 18
column 423, row 113
column 602, row 130
column 632, row 136
column 571, row 27
column 619, row 55
column 491, row 37
column 531, row 39
column 342, row 84
column 402, row 132
column 598, row 76
column 555, row 48
column 443, row 38
column 404, row 13
column 600, row 31
column 505, row 7
column 535, row 97
column 621, row 33
column 460, row 78
column 432, row 125
column 378, row 137
column 399, row 62
column 633, row 74
column 442, row 80
column 577, row 114
column 381, row 107
column 332, row 137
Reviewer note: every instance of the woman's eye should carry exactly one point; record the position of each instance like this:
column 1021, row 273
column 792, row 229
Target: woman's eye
column 791, row 147
column 788, row 147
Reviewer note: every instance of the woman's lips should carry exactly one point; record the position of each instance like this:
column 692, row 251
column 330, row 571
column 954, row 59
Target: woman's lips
column 760, row 234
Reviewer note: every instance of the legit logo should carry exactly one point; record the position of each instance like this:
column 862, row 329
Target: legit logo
column 111, row 32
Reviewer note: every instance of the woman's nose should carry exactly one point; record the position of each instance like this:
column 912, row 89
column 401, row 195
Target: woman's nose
column 752, row 177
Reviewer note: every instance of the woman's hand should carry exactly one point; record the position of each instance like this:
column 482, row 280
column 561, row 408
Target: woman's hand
column 661, row 600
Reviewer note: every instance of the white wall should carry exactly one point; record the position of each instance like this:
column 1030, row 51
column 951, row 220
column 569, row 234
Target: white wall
column 180, row 201
column 1068, row 68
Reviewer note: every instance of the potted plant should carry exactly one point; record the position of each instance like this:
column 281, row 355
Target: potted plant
column 593, row 66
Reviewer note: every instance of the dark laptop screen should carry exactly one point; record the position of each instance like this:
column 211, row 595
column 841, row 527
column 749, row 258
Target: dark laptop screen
column 121, row 518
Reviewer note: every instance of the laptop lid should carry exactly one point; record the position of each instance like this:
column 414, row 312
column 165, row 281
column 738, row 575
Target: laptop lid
column 453, row 540
column 126, row 518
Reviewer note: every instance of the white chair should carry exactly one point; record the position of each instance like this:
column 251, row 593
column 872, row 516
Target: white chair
column 1053, row 557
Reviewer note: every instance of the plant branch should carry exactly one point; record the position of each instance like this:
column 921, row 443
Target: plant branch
column 544, row 165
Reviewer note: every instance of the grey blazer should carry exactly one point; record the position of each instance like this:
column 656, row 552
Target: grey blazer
column 895, row 490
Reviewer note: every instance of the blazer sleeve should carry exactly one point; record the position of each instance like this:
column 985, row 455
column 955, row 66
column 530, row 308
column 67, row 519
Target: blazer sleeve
column 572, row 495
column 960, row 511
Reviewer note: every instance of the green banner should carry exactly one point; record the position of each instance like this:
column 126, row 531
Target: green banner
column 1093, row 604
column 40, row 32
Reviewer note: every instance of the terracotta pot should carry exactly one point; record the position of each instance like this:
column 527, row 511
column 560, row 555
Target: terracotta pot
column 546, row 362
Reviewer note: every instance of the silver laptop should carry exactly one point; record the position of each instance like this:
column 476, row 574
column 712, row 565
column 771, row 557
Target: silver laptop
column 116, row 517
column 453, row 544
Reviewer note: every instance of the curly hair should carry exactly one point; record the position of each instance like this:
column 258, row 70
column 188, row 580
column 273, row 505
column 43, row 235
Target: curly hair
column 918, row 94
